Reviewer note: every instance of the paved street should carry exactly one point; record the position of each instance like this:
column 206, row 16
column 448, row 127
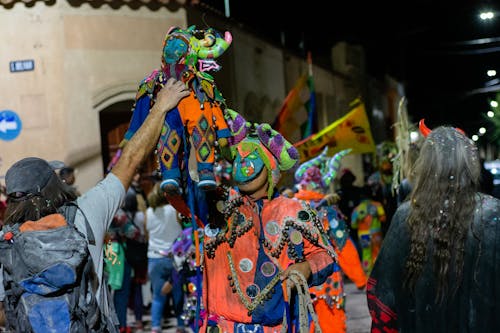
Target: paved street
column 358, row 318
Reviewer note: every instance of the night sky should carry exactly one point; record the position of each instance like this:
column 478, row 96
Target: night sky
column 426, row 45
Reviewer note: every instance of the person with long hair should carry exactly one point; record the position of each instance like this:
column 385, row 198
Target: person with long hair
column 438, row 269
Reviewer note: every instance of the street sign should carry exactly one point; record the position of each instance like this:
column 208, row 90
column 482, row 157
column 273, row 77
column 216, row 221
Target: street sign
column 22, row 65
column 10, row 125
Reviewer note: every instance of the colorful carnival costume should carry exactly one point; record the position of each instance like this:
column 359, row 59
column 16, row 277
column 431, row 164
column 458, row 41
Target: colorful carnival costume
column 198, row 117
column 367, row 218
column 314, row 177
column 261, row 237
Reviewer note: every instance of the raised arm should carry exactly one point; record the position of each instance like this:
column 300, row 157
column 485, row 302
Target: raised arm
column 144, row 140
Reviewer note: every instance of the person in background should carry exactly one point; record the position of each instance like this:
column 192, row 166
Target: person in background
column 35, row 191
column 350, row 197
column 438, row 268
column 140, row 272
column 367, row 219
column 405, row 187
column 123, row 227
column 381, row 180
column 163, row 227
column 313, row 178
column 136, row 185
column 67, row 175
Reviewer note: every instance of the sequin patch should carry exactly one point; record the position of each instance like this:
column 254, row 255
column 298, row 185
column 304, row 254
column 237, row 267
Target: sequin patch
column 246, row 265
column 211, row 232
column 339, row 234
column 334, row 223
column 220, row 206
column 268, row 269
column 272, row 228
column 252, row 290
column 240, row 219
column 303, row 215
column 296, row 237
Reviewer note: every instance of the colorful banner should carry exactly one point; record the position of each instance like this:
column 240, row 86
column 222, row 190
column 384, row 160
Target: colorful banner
column 311, row 126
column 294, row 112
column 350, row 131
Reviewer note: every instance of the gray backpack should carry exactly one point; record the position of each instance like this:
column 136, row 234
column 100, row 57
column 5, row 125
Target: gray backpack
column 49, row 277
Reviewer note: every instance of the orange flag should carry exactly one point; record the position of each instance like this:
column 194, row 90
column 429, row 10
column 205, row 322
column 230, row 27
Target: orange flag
column 294, row 111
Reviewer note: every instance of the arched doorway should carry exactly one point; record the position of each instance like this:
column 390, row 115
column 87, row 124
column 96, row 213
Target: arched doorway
column 114, row 121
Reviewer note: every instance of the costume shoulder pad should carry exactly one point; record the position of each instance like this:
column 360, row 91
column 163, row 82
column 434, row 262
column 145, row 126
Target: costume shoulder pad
column 149, row 84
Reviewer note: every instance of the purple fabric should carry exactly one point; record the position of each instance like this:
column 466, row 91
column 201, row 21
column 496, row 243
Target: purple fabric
column 235, row 125
column 293, row 152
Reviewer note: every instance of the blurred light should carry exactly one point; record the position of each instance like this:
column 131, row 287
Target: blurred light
column 475, row 137
column 494, row 171
column 493, row 82
column 482, row 130
column 227, row 11
column 486, row 15
column 490, row 114
column 494, row 104
column 379, row 114
column 414, row 136
column 491, row 72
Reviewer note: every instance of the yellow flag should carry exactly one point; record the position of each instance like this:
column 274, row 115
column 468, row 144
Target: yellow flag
column 350, row 131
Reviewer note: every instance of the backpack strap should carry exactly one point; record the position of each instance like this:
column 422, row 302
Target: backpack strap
column 69, row 211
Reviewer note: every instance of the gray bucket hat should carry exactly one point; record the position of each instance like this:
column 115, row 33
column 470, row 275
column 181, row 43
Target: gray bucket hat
column 29, row 176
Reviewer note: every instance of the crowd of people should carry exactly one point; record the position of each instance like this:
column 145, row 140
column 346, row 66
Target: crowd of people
column 441, row 244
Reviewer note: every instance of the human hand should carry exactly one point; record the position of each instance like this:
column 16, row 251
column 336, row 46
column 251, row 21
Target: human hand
column 166, row 288
column 302, row 267
column 170, row 95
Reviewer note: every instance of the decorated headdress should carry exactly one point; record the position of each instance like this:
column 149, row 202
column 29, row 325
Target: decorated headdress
column 190, row 54
column 426, row 130
column 403, row 129
column 318, row 172
column 255, row 146
column 186, row 47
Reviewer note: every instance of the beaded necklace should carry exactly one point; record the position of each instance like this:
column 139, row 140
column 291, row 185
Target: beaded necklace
column 263, row 295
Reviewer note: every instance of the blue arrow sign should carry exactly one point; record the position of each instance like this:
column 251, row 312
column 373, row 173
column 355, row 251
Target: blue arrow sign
column 10, row 125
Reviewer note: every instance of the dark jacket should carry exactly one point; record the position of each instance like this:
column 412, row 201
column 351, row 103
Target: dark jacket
column 475, row 307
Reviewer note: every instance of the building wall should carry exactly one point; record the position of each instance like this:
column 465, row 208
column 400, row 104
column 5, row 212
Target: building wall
column 85, row 59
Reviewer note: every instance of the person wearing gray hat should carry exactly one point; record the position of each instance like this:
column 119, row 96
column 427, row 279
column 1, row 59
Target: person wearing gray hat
column 35, row 191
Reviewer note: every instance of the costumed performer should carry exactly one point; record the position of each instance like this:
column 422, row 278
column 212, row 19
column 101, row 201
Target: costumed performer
column 313, row 178
column 367, row 219
column 260, row 261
